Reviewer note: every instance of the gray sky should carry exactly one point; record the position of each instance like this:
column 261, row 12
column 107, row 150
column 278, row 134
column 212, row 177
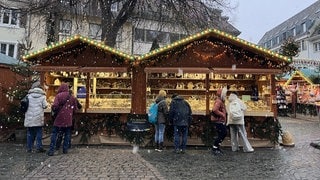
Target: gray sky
column 255, row 17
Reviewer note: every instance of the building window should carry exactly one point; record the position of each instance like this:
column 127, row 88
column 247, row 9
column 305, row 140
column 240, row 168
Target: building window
column 9, row 17
column 65, row 27
column 8, row 49
column 304, row 27
column 147, row 36
column 294, row 31
column 95, row 31
column 316, row 46
column 139, row 35
column 303, row 45
column 284, row 36
column 277, row 40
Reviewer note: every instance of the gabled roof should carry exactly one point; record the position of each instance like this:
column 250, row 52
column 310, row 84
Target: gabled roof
column 238, row 47
column 308, row 16
column 7, row 60
column 72, row 43
column 301, row 76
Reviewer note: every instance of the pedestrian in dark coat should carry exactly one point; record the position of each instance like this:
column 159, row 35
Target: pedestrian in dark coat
column 67, row 105
column 180, row 115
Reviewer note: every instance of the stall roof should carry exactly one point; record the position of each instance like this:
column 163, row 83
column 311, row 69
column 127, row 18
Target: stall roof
column 73, row 42
column 224, row 44
column 7, row 60
column 300, row 76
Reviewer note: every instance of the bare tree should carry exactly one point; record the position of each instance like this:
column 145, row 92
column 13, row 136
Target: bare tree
column 188, row 14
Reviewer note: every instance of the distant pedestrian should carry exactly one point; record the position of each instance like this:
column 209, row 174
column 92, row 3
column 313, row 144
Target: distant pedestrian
column 218, row 117
column 180, row 115
column 34, row 117
column 161, row 120
column 237, row 128
column 66, row 104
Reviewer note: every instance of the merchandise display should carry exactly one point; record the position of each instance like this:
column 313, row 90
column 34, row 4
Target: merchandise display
column 112, row 90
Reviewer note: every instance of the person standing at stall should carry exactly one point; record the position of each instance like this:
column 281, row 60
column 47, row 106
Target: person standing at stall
column 161, row 120
column 65, row 104
column 34, row 116
column 236, row 109
column 218, row 117
column 180, row 116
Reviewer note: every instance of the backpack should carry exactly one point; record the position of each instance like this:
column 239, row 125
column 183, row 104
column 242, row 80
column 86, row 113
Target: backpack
column 24, row 104
column 153, row 113
column 236, row 112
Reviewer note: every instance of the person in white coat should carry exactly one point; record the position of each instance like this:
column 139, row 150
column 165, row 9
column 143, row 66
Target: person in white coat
column 34, row 117
column 237, row 128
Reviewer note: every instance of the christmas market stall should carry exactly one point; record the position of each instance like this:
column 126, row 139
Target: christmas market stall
column 302, row 94
column 98, row 75
column 195, row 67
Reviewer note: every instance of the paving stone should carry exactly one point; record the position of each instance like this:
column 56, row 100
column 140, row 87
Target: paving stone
column 118, row 162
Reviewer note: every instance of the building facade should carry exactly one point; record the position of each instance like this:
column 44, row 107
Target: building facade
column 135, row 37
column 303, row 28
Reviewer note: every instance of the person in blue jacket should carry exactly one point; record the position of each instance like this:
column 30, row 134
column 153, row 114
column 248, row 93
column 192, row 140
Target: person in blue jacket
column 180, row 115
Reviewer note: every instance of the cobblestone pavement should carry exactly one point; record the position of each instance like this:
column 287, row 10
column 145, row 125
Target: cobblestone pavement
column 119, row 162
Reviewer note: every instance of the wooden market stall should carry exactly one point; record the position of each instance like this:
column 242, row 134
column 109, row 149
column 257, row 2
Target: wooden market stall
column 116, row 86
column 307, row 92
column 98, row 75
column 197, row 66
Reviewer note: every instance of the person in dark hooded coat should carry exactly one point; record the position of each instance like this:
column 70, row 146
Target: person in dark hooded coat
column 66, row 104
column 180, row 115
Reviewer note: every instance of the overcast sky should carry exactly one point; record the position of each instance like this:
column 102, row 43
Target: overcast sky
column 255, row 17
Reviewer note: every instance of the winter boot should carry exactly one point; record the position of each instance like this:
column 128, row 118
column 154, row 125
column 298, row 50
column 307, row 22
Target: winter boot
column 160, row 147
column 156, row 147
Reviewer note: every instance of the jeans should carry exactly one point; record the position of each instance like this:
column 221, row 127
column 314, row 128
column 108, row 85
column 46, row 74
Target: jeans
column 34, row 133
column 66, row 132
column 222, row 133
column 159, row 132
column 180, row 137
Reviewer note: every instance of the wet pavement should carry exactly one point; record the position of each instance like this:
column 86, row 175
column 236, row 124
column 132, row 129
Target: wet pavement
column 121, row 162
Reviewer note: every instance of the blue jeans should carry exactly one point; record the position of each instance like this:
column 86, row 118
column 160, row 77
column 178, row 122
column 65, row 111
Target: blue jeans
column 66, row 131
column 180, row 137
column 34, row 133
column 159, row 133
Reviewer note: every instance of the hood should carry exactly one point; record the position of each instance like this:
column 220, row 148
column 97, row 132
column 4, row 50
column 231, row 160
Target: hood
column 222, row 93
column 63, row 88
column 232, row 97
column 178, row 98
column 36, row 92
column 160, row 98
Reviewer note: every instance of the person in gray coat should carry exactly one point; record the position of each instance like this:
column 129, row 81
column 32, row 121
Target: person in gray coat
column 34, row 117
column 160, row 125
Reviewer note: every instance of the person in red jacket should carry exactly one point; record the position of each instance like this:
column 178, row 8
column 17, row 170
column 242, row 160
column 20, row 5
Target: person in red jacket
column 66, row 105
column 218, row 117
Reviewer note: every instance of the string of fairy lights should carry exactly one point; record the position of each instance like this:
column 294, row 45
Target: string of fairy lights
column 222, row 39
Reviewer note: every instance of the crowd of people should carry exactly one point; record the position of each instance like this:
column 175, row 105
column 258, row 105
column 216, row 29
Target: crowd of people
column 177, row 113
